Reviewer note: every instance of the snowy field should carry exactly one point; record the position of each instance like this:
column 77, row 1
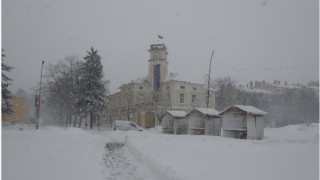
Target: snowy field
column 286, row 153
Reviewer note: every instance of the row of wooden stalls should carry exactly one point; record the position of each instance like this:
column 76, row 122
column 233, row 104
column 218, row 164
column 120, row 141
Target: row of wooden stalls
column 236, row 121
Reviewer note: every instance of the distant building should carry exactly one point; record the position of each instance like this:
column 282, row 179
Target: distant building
column 19, row 108
column 275, row 87
column 144, row 100
column 313, row 84
column 268, row 86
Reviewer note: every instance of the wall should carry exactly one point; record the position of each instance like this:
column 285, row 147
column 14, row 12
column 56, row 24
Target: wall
column 190, row 89
column 251, row 127
column 213, row 126
column 196, row 123
column 255, row 127
column 232, row 121
column 19, row 108
column 181, row 126
column 167, row 124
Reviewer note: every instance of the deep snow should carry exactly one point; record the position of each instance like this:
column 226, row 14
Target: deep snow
column 290, row 152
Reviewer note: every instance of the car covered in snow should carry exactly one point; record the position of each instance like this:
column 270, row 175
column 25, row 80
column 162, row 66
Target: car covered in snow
column 125, row 125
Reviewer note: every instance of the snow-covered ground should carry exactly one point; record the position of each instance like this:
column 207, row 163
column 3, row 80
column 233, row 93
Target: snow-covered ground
column 286, row 153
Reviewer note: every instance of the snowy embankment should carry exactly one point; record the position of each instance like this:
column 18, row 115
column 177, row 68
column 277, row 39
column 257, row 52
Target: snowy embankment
column 290, row 152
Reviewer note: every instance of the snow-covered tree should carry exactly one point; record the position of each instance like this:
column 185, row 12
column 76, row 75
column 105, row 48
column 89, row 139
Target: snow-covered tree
column 6, row 107
column 92, row 92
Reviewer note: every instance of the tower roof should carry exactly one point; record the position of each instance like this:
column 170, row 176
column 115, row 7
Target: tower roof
column 157, row 47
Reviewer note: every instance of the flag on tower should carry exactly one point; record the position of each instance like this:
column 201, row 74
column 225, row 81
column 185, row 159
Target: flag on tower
column 160, row 37
column 36, row 101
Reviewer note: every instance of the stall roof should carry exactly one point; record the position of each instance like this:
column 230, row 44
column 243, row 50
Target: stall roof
column 248, row 109
column 208, row 111
column 177, row 113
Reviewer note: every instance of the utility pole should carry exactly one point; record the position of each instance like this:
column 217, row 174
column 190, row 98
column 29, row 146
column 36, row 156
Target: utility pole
column 208, row 95
column 37, row 126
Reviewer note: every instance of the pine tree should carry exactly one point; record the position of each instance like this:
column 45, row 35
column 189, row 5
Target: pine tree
column 6, row 107
column 92, row 90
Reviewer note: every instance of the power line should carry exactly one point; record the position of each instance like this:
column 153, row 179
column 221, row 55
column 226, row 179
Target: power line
column 268, row 68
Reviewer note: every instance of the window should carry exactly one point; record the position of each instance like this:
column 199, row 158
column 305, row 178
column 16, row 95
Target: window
column 155, row 98
column 140, row 98
column 182, row 98
column 168, row 98
column 182, row 87
column 167, row 87
column 194, row 88
column 194, row 99
column 132, row 125
column 140, row 87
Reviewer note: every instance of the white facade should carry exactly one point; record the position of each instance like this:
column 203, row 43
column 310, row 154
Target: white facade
column 255, row 127
column 144, row 100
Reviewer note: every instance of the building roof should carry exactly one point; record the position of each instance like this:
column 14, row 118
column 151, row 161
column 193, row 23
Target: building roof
column 248, row 109
column 208, row 111
column 177, row 113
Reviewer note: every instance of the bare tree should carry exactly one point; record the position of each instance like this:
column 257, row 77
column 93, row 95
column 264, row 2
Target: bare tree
column 226, row 94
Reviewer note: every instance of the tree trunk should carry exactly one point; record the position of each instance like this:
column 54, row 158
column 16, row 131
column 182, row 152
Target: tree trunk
column 98, row 124
column 67, row 121
column 75, row 121
column 70, row 118
column 80, row 122
column 91, row 120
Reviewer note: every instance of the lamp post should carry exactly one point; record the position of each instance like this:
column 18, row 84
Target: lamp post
column 37, row 126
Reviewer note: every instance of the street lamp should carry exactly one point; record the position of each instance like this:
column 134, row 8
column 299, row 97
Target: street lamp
column 37, row 126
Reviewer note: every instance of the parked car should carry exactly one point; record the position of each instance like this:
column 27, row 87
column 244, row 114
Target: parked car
column 125, row 125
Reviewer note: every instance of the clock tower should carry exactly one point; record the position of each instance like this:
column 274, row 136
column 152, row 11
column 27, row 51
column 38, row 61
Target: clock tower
column 158, row 65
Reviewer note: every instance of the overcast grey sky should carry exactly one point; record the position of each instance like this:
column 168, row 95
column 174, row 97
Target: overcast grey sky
column 253, row 39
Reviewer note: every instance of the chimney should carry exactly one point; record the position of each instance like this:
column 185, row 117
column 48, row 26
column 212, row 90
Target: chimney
column 275, row 82
column 251, row 84
column 286, row 83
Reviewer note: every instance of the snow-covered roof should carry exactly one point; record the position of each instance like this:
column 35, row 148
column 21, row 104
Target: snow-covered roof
column 177, row 113
column 248, row 109
column 208, row 111
column 140, row 80
column 178, row 78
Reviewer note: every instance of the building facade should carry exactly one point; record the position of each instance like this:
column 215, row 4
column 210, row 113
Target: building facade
column 144, row 100
column 19, row 108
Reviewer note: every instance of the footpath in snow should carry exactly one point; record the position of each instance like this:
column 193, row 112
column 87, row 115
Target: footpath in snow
column 67, row 154
column 290, row 152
